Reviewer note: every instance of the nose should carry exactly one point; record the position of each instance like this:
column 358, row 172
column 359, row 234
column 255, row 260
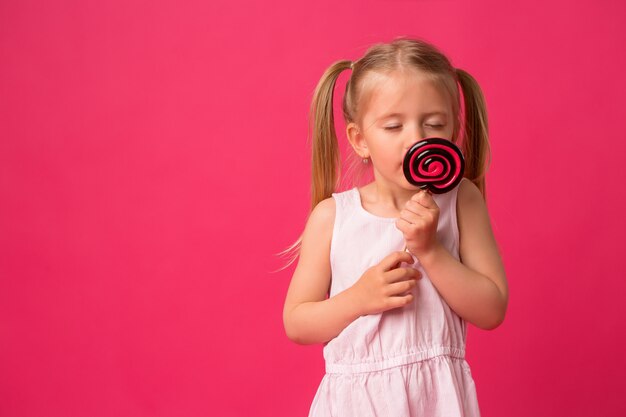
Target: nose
column 413, row 136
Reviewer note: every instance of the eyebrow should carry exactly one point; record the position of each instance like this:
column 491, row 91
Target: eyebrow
column 390, row 115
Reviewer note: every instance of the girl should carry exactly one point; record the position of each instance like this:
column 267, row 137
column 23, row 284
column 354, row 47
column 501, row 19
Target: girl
column 394, row 325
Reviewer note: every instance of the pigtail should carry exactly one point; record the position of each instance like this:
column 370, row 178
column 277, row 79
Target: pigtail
column 476, row 131
column 325, row 150
column 325, row 153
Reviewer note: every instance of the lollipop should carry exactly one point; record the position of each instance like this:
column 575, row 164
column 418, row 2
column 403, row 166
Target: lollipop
column 434, row 164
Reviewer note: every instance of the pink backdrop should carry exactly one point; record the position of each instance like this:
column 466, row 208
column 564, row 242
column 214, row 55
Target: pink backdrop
column 153, row 158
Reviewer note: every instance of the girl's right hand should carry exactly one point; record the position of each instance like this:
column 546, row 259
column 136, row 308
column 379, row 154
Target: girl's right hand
column 386, row 285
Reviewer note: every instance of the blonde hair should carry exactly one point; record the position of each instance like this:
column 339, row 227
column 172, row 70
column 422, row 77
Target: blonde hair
column 470, row 130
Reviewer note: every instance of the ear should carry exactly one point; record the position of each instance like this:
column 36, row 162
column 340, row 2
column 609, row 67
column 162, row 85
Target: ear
column 356, row 140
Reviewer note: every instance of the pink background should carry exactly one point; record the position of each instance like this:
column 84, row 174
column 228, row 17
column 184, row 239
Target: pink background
column 153, row 158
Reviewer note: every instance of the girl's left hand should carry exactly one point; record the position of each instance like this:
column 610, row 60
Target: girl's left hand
column 418, row 222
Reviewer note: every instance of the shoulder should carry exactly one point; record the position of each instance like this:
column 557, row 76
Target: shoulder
column 324, row 212
column 319, row 226
column 469, row 194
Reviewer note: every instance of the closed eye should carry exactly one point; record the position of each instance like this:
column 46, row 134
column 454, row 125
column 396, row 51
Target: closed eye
column 399, row 126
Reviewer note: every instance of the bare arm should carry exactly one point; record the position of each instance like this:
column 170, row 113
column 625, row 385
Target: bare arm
column 311, row 318
column 308, row 316
column 475, row 288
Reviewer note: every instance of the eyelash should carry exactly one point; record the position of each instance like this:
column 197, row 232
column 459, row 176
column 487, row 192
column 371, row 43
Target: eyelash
column 395, row 127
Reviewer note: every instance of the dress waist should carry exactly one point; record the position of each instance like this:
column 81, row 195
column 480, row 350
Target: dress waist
column 352, row 368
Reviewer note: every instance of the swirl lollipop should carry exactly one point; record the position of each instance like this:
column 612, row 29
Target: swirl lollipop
column 434, row 164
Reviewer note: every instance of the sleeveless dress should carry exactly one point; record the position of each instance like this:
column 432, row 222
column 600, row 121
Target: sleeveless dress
column 404, row 362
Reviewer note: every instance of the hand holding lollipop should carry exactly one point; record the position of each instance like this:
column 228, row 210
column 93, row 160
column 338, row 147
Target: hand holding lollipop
column 435, row 165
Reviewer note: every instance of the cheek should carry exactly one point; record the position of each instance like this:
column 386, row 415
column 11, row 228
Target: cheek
column 389, row 161
column 450, row 132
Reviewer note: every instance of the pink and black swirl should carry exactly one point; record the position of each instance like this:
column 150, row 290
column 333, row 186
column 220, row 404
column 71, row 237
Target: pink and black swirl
column 435, row 164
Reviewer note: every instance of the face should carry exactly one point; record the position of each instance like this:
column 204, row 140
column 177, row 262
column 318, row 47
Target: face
column 403, row 108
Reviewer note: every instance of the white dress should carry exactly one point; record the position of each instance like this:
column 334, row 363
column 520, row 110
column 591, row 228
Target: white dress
column 408, row 361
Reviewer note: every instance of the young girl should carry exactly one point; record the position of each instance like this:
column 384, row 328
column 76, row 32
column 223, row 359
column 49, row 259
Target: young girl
column 394, row 325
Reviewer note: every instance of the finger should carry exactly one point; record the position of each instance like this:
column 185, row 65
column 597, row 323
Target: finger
column 401, row 288
column 402, row 274
column 409, row 227
column 400, row 301
column 424, row 198
column 402, row 225
column 413, row 214
column 393, row 260
column 415, row 207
